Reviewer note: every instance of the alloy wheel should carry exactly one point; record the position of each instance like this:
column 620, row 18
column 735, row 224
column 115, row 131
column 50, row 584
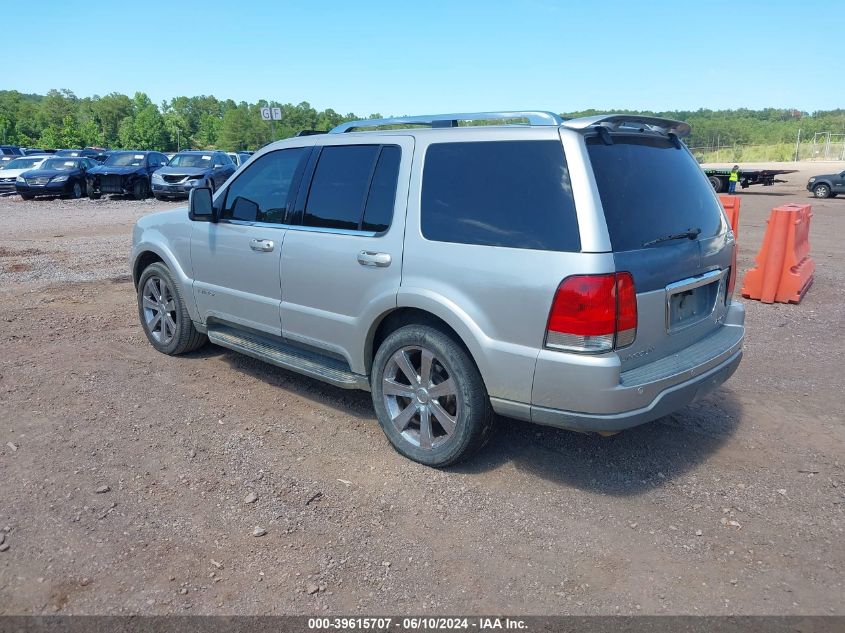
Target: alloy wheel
column 421, row 397
column 159, row 310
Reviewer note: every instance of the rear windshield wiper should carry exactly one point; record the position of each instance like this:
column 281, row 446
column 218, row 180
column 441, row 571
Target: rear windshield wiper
column 689, row 234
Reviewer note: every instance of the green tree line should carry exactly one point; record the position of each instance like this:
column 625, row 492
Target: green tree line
column 62, row 119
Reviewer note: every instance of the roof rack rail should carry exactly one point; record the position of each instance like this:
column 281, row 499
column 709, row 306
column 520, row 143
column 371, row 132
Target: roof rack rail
column 615, row 121
column 451, row 120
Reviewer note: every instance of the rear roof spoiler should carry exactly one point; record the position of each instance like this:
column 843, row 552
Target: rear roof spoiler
column 616, row 121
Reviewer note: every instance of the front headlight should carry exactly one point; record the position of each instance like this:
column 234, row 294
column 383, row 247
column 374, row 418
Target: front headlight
column 20, row 179
column 158, row 178
column 812, row 180
column 61, row 178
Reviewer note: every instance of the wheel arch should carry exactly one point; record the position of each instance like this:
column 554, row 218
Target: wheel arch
column 147, row 253
column 426, row 311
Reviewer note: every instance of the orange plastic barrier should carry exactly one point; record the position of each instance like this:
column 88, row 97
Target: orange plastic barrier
column 784, row 270
column 731, row 206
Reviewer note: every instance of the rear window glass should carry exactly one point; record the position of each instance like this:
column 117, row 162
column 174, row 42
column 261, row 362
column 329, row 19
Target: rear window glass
column 381, row 198
column 354, row 188
column 651, row 189
column 339, row 186
column 515, row 194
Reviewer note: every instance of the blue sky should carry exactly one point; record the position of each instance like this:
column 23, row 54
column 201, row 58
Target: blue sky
column 423, row 57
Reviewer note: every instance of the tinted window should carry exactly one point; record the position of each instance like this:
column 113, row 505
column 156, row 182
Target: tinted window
column 340, row 184
column 649, row 189
column 380, row 200
column 261, row 192
column 502, row 193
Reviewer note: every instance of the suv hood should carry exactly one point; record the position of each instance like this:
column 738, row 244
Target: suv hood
column 13, row 173
column 816, row 177
column 183, row 171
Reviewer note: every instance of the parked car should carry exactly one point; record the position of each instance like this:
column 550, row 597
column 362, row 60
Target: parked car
column 827, row 185
column 98, row 154
column 9, row 153
column 577, row 274
column 15, row 168
column 192, row 169
column 35, row 151
column 126, row 173
column 56, row 176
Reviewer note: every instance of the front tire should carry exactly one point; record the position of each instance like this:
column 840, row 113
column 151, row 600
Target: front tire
column 27, row 196
column 821, row 191
column 429, row 397
column 94, row 195
column 140, row 190
column 163, row 314
column 76, row 191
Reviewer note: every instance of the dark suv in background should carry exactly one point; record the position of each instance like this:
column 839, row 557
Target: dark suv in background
column 125, row 173
column 827, row 185
column 188, row 170
column 8, row 153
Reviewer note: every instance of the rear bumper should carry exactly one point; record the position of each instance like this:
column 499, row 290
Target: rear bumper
column 608, row 399
column 667, row 402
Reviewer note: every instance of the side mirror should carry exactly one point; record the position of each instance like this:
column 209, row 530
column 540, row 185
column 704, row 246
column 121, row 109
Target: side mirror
column 200, row 205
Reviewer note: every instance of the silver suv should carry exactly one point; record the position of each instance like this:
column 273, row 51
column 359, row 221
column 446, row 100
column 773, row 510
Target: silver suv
column 575, row 273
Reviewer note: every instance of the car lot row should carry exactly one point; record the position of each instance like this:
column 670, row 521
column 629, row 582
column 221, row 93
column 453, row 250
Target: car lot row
column 94, row 172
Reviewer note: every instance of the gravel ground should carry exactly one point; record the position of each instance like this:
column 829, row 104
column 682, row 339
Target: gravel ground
column 132, row 482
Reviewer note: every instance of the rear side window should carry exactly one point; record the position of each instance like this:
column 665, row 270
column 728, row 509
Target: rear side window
column 515, row 194
column 651, row 189
column 261, row 192
column 353, row 188
column 382, row 195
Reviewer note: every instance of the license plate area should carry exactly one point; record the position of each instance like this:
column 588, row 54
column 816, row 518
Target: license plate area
column 692, row 300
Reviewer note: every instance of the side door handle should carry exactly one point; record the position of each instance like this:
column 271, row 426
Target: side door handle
column 262, row 246
column 369, row 258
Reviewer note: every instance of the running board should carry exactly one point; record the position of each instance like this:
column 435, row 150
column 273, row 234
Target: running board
column 312, row 364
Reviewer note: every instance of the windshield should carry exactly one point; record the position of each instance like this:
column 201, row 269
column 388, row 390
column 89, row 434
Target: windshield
column 59, row 164
column 190, row 160
column 24, row 163
column 69, row 152
column 125, row 159
column 651, row 189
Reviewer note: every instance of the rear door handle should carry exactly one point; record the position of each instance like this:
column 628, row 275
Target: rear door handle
column 369, row 258
column 262, row 246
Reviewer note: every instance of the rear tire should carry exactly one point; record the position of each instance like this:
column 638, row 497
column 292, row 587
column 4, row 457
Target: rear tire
column 716, row 183
column 429, row 397
column 163, row 314
column 821, row 191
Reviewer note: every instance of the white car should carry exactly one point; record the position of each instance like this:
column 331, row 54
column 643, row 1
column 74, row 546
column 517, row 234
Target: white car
column 15, row 168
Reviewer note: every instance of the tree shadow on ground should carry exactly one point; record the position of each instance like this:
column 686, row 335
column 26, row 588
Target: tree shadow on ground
column 629, row 463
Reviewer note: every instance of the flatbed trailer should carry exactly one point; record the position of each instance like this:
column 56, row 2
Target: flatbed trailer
column 747, row 177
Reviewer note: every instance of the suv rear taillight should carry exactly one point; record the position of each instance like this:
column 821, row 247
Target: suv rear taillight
column 593, row 313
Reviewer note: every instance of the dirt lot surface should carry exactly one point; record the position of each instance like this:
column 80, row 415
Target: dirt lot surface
column 124, row 473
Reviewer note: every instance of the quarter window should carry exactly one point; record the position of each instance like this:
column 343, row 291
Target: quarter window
column 515, row 194
column 353, row 188
column 261, row 193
